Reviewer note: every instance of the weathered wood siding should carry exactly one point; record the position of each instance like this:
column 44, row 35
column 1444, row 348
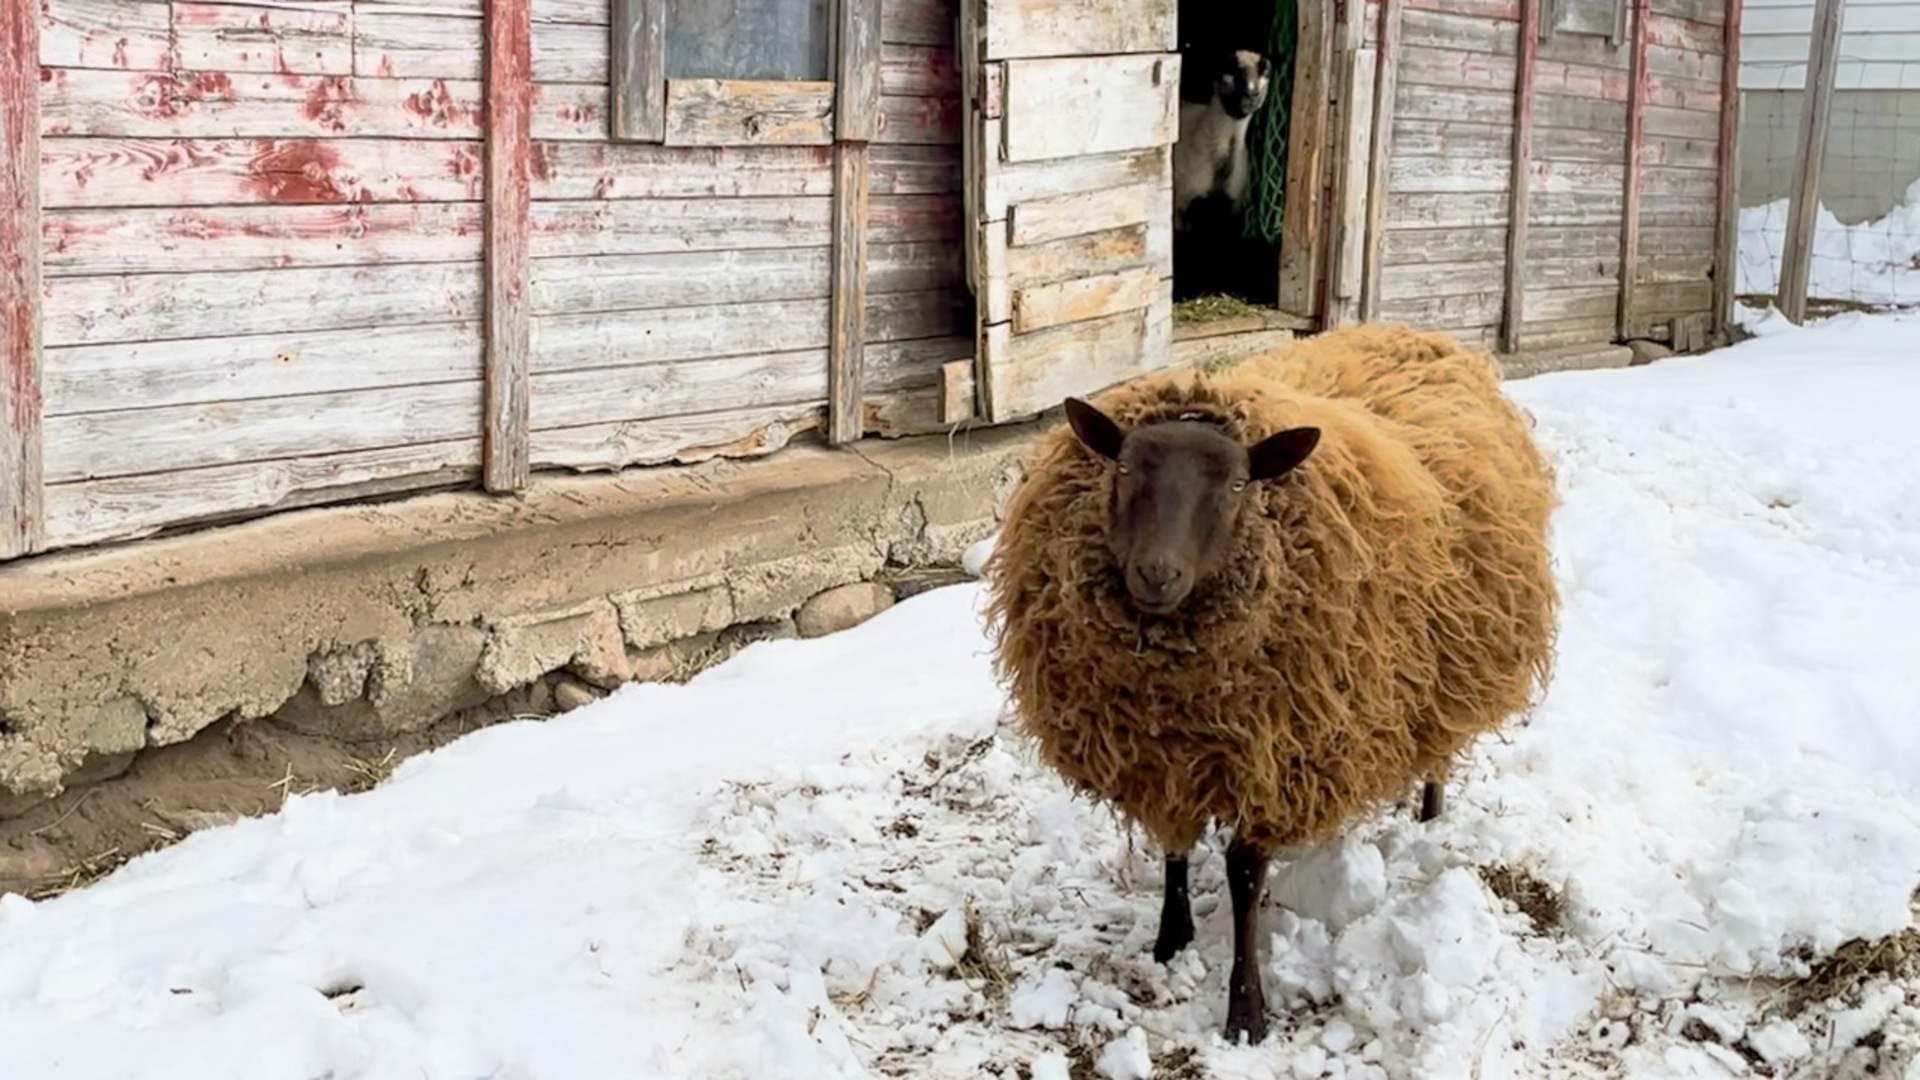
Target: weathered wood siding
column 1683, row 167
column 681, row 296
column 261, row 240
column 263, row 248
column 1443, row 254
column 1450, row 216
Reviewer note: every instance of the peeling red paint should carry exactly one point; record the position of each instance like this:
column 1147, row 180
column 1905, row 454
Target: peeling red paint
column 540, row 162
column 325, row 105
column 296, row 172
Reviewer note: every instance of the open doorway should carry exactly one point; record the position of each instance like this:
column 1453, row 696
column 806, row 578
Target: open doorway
column 1230, row 166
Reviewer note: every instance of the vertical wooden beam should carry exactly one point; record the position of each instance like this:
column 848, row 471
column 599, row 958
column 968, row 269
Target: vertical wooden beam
column 508, row 223
column 846, row 358
column 1386, row 74
column 1513, row 311
column 1303, row 236
column 1639, row 84
column 1347, row 258
column 856, row 122
column 638, row 69
column 1796, row 261
column 1726, row 250
column 22, row 523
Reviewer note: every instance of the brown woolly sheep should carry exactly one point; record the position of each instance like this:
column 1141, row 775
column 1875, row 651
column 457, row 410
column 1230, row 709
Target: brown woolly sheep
column 1276, row 598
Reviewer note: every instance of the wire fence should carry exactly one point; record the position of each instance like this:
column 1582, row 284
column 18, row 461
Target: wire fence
column 1858, row 245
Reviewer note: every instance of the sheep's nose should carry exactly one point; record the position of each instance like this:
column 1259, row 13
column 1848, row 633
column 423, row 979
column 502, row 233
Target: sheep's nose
column 1159, row 583
column 1160, row 575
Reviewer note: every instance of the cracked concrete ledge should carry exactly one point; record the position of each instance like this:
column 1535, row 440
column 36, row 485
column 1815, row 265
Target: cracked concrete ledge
column 360, row 622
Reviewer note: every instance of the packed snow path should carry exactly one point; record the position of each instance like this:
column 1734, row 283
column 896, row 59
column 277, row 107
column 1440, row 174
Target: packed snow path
column 826, row 859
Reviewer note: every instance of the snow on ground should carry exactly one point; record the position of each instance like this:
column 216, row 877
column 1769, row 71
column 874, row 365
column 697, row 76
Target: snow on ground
column 826, row 859
column 1872, row 262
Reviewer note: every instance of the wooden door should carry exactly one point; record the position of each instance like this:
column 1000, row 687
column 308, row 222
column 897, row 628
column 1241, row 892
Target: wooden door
column 1073, row 111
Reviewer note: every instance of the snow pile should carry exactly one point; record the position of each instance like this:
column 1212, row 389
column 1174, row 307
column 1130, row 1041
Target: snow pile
column 827, row 859
column 1874, row 262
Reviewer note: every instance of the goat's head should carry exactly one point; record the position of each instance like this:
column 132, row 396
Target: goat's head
column 1179, row 488
column 1242, row 83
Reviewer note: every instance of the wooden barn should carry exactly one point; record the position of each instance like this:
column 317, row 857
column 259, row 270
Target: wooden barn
column 261, row 254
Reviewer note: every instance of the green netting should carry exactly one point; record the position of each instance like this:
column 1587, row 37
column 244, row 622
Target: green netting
column 1267, row 134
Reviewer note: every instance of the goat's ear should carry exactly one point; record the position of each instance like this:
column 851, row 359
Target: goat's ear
column 1277, row 455
column 1096, row 429
column 1265, row 66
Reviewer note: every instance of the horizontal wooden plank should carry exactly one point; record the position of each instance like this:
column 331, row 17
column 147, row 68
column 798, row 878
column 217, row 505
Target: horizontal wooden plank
column 920, row 121
column 1579, row 302
column 1581, row 80
column 1676, row 33
column 570, row 52
column 572, row 111
column 1453, row 68
column 1446, row 139
column 1102, row 252
column 1453, row 104
column 1458, row 31
column 1412, row 175
column 735, row 433
column 1674, row 267
column 1676, row 240
column 1400, row 281
column 641, row 226
column 1676, row 93
column 892, row 365
column 916, row 267
column 1662, row 299
column 918, row 71
column 1446, row 210
column 1574, row 241
column 407, row 44
column 1469, row 310
column 645, row 391
column 196, row 172
column 149, row 374
column 91, row 445
column 1677, row 211
column 1665, row 61
column 601, row 339
column 1710, row 12
column 1088, row 105
column 896, row 219
column 915, row 170
column 733, row 112
column 1567, row 333
column 1570, row 177
column 1662, row 151
column 127, row 507
column 579, row 170
column 1040, row 221
column 1598, row 146
column 1507, row 10
column 576, row 285
column 129, row 35
column 1683, row 123
column 315, row 38
column 190, row 239
column 156, row 307
column 1483, row 244
column 911, row 316
column 1022, row 182
column 1564, row 272
column 1037, row 307
column 1579, row 113
column 1030, row 28
column 1031, row 372
column 918, row 22
column 1577, row 208
column 216, row 105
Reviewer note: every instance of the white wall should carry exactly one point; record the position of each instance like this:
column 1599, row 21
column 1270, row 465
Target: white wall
column 1879, row 45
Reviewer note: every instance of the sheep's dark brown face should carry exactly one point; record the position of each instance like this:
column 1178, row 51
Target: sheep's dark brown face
column 1179, row 488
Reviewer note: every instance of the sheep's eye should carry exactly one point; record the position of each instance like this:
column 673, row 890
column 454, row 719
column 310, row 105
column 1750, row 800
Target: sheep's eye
column 1239, row 485
column 1124, row 470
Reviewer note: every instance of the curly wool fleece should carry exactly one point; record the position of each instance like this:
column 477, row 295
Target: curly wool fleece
column 1386, row 602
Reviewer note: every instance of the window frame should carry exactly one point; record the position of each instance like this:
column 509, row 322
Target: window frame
column 1554, row 13
column 649, row 107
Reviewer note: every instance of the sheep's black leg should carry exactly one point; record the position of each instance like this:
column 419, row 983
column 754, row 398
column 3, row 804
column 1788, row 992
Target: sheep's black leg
column 1176, row 913
column 1246, row 997
column 1433, row 800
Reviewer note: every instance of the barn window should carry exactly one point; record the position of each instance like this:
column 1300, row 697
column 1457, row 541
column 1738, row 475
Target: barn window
column 726, row 72
column 1593, row 18
column 780, row 40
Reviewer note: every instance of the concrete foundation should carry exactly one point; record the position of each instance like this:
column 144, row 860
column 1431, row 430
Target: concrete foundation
column 359, row 624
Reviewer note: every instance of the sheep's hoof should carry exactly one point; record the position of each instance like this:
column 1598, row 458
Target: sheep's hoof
column 1246, row 1015
column 1174, row 936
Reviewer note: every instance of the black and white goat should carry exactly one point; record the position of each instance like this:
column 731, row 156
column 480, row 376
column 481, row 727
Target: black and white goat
column 1211, row 157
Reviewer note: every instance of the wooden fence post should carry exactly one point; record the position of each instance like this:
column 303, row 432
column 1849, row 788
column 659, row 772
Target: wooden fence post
column 1796, row 258
column 1639, row 89
column 856, row 121
column 22, row 521
column 1726, row 258
column 1513, row 309
column 509, row 217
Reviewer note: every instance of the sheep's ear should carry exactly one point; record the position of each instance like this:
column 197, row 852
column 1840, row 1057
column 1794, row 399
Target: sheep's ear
column 1277, row 455
column 1096, row 429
